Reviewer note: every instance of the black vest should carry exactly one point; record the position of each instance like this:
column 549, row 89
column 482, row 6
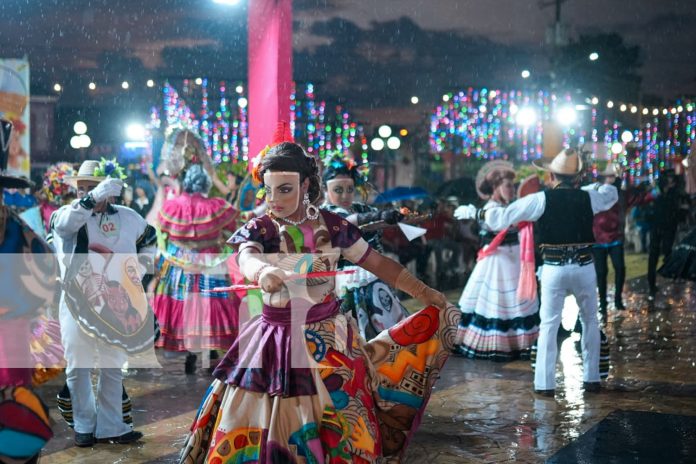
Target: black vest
column 567, row 218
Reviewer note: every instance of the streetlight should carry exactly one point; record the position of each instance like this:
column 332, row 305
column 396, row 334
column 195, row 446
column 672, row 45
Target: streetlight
column 525, row 74
column 384, row 131
column 92, row 86
column 80, row 141
column 616, row 148
column 594, row 56
column 377, row 144
column 57, row 87
column 393, row 143
column 150, row 83
column 80, row 128
column 135, row 132
column 567, row 115
column 526, row 116
column 125, row 85
column 414, row 100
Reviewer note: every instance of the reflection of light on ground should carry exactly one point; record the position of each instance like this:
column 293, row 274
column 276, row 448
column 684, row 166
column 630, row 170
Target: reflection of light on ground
column 571, row 361
column 572, row 380
column 570, row 313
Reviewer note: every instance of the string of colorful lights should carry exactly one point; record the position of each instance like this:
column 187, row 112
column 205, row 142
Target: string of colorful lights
column 488, row 124
column 222, row 121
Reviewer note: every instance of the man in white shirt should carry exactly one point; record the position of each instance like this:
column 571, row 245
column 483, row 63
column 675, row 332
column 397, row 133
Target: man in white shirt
column 93, row 223
column 563, row 217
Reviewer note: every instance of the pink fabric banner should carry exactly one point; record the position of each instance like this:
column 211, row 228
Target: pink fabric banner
column 270, row 70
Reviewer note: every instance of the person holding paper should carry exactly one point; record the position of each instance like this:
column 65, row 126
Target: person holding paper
column 364, row 295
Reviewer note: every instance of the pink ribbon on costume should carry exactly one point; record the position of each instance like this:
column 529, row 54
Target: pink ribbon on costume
column 527, row 286
column 491, row 247
column 310, row 275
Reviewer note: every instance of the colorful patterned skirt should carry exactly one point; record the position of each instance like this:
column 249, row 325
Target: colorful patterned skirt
column 361, row 402
column 192, row 317
column 371, row 302
column 494, row 324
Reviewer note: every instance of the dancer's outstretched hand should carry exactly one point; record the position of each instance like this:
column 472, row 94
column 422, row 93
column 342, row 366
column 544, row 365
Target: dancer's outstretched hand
column 432, row 297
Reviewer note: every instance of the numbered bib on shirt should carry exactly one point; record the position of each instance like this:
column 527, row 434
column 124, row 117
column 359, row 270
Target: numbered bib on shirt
column 110, row 226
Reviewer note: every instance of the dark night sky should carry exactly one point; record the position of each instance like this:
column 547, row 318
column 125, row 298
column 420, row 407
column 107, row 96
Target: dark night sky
column 377, row 52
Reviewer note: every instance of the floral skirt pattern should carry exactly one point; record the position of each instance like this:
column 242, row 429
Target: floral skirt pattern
column 369, row 397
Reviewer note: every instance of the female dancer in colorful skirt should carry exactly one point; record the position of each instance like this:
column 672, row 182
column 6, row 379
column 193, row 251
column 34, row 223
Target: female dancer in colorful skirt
column 300, row 385
column 496, row 324
column 370, row 301
column 193, row 318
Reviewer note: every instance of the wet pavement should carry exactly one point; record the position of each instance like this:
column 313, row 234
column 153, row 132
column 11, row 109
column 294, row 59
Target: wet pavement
column 480, row 411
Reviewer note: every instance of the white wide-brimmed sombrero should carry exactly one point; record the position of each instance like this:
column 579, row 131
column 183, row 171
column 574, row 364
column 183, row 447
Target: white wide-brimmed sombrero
column 85, row 173
column 566, row 163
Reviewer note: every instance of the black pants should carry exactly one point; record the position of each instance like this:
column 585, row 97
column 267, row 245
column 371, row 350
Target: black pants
column 616, row 254
column 661, row 242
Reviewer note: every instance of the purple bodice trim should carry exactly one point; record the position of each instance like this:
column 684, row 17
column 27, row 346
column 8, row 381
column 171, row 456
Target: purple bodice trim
column 270, row 355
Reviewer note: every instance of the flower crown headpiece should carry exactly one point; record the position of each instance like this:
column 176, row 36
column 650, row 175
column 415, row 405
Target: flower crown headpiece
column 359, row 172
column 109, row 168
column 54, row 185
column 281, row 134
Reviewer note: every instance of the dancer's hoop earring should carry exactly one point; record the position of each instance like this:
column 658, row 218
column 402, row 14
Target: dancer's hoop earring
column 311, row 210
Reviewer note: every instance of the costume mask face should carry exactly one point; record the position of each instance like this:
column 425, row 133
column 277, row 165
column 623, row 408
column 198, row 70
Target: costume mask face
column 341, row 191
column 282, row 192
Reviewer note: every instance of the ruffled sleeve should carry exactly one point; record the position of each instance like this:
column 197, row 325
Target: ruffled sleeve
column 347, row 237
column 259, row 233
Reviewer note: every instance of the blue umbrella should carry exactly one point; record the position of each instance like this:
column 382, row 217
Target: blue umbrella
column 401, row 193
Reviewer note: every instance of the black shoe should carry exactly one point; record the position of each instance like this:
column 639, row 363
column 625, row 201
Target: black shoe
column 548, row 393
column 563, row 333
column 84, row 440
column 592, row 387
column 125, row 439
column 190, row 366
column 619, row 306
